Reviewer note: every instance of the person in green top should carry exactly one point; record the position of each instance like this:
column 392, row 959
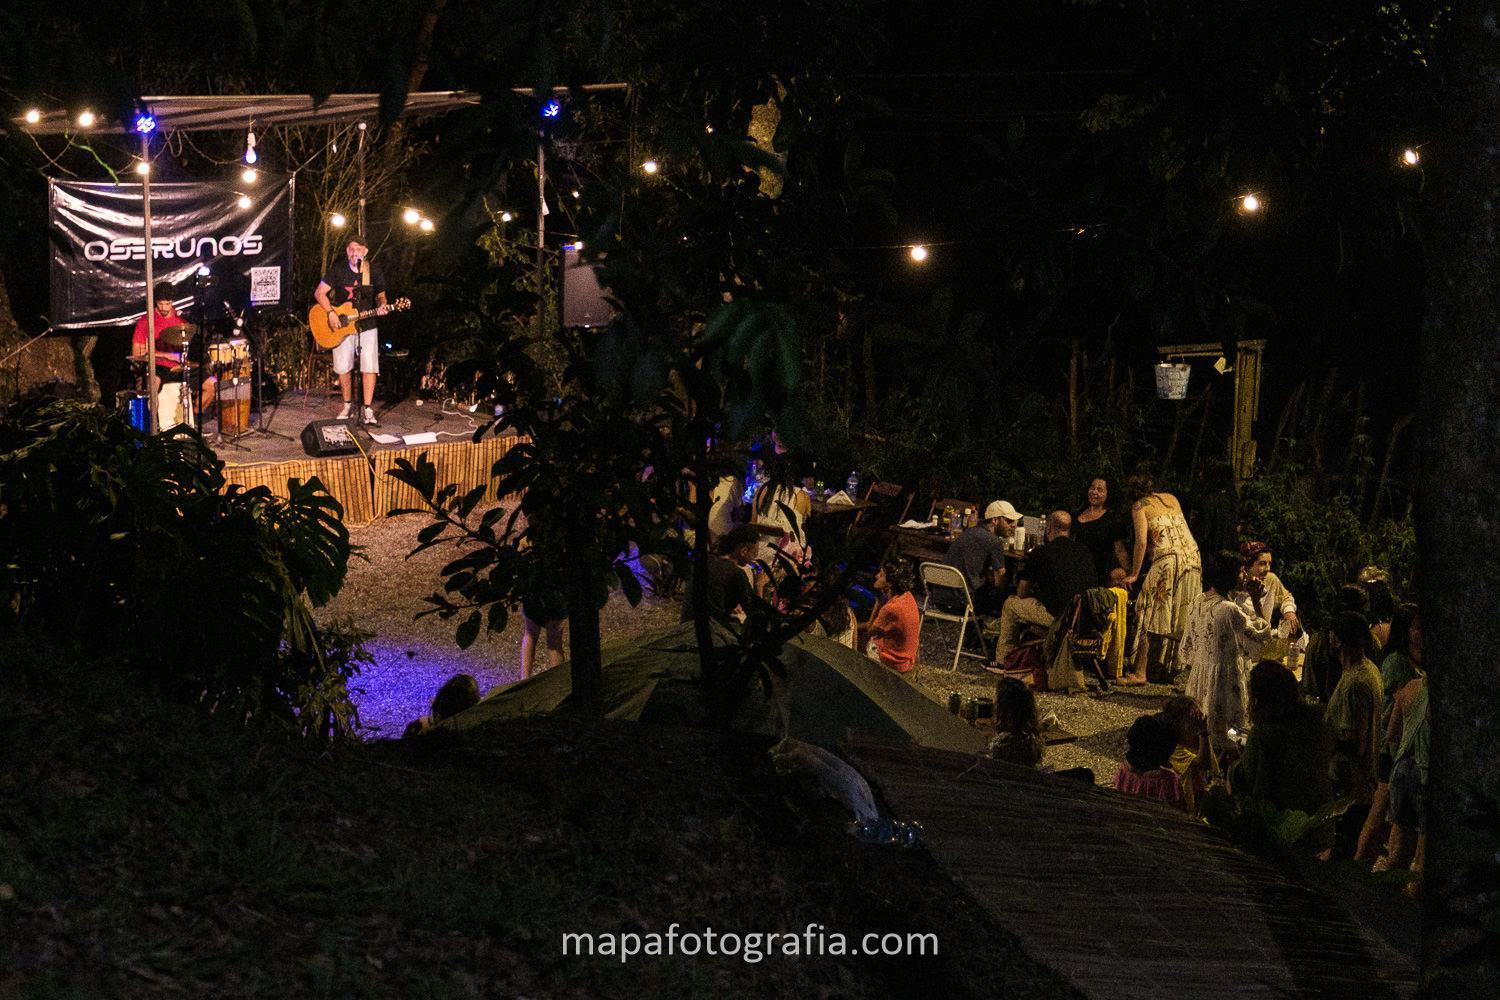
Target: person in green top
column 1353, row 718
column 1286, row 759
column 1402, row 661
column 1410, row 732
column 1401, row 664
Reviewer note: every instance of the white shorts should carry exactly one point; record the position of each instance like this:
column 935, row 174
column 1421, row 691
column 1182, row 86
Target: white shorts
column 369, row 353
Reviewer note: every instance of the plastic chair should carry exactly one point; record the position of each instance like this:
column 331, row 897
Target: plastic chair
column 942, row 575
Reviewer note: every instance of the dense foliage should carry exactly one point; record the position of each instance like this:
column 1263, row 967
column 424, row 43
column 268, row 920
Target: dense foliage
column 132, row 543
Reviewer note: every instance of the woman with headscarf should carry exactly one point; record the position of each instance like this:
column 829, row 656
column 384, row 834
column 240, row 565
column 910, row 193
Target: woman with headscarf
column 1266, row 597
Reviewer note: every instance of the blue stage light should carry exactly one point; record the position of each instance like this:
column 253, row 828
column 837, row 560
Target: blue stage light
column 145, row 124
column 552, row 108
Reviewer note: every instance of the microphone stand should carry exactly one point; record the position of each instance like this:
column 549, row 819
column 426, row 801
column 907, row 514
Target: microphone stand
column 257, row 375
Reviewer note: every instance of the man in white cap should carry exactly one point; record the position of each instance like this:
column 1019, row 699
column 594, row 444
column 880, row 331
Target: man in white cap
column 979, row 554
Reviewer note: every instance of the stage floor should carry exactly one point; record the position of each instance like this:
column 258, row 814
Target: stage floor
column 360, row 482
column 286, row 418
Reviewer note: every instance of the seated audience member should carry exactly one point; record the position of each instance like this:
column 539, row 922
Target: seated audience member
column 979, row 554
column 458, row 693
column 1268, row 598
column 1353, row 718
column 1146, row 770
column 1320, row 667
column 1218, row 636
column 1055, row 574
column 781, row 512
column 1018, row 737
column 1286, row 757
column 837, row 622
column 1410, row 731
column 729, row 588
column 1193, row 760
column 896, row 628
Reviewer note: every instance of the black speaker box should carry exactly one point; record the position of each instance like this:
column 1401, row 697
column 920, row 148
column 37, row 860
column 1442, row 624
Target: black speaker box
column 326, row 438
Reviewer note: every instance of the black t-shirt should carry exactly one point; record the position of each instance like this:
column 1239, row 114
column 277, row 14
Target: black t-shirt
column 728, row 588
column 344, row 281
column 1099, row 537
column 1059, row 571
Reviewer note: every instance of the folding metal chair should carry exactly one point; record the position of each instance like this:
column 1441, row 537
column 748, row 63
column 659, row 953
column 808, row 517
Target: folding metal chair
column 935, row 574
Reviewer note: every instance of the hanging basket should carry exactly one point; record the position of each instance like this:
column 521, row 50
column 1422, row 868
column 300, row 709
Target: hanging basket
column 1172, row 381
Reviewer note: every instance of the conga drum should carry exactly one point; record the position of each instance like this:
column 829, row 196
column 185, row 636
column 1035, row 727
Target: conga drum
column 234, row 408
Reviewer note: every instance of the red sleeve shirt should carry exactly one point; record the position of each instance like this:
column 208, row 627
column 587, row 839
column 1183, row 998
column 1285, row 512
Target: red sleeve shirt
column 138, row 340
column 897, row 628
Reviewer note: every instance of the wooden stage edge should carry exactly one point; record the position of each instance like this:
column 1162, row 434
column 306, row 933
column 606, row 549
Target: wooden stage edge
column 360, row 484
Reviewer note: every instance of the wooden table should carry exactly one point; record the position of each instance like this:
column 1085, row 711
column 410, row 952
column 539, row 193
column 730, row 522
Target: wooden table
column 823, row 507
column 927, row 545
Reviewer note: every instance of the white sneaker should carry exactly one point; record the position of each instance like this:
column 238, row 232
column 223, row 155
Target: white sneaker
column 370, row 420
column 346, row 412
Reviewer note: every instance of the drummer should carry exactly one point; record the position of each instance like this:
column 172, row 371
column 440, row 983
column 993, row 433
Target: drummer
column 168, row 360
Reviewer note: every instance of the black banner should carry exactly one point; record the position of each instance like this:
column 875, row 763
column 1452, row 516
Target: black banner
column 242, row 234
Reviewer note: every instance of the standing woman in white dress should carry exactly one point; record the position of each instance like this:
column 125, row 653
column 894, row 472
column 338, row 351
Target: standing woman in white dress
column 1218, row 640
column 1172, row 582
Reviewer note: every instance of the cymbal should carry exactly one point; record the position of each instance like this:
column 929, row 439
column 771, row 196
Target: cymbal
column 176, row 338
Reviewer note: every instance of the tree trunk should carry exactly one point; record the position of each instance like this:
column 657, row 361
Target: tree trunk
column 83, row 367
column 1457, row 542
column 584, row 659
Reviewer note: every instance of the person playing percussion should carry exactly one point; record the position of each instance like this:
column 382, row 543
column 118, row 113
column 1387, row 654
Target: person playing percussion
column 169, row 359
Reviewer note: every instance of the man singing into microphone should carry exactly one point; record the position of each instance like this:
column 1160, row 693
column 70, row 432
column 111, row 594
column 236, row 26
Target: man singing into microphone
column 360, row 281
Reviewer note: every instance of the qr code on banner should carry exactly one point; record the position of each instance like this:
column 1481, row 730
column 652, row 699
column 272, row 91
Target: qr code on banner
column 265, row 285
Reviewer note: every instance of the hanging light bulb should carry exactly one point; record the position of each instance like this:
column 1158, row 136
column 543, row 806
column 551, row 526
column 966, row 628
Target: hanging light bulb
column 244, row 201
column 918, row 253
column 411, row 217
column 337, row 220
column 1250, row 203
column 143, row 168
column 33, row 116
column 250, row 155
column 249, row 175
column 506, row 217
column 86, row 119
column 650, row 166
column 425, row 225
column 1409, row 157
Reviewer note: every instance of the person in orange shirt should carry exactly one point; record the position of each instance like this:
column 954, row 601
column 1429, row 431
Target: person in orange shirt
column 897, row 625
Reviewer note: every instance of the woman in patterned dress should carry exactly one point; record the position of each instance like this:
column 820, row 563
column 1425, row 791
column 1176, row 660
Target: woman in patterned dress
column 1173, row 581
column 1218, row 639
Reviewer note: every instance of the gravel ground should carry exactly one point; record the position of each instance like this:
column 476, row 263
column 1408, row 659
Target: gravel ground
column 413, row 656
column 385, row 591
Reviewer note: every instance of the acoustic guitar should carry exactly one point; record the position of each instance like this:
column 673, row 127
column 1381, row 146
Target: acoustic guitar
column 329, row 336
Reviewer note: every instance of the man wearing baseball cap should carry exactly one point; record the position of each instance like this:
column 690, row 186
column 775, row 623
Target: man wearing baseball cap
column 979, row 554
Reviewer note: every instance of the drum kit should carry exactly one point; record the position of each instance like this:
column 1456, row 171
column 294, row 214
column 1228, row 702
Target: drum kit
column 226, row 360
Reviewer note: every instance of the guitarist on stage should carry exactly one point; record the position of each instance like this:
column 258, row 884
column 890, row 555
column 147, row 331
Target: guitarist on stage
column 358, row 280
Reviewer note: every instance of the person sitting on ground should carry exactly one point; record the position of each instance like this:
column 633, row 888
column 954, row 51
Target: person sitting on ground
column 1219, row 635
column 1055, row 574
column 837, row 622
column 459, row 692
column 1321, row 667
column 979, row 554
column 730, row 592
column 1353, row 718
column 1018, row 736
column 1286, row 757
column 1146, row 771
column 895, row 631
column 1193, row 760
